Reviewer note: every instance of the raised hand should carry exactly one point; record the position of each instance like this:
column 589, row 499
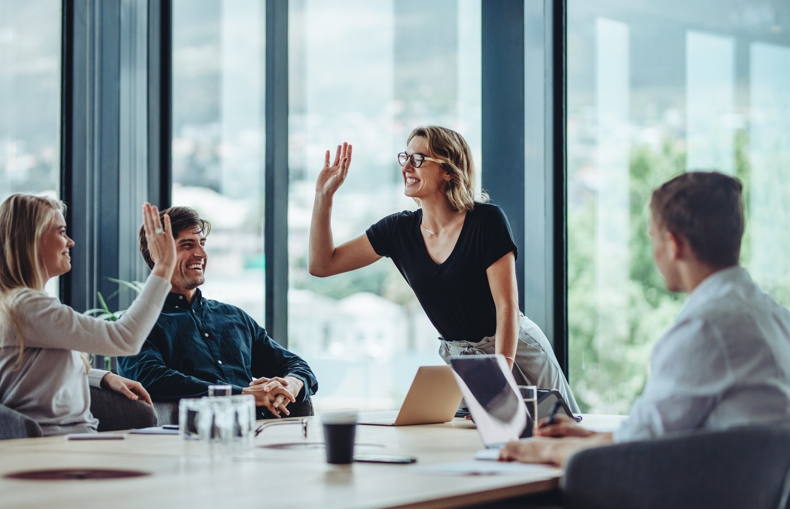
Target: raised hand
column 333, row 175
column 161, row 243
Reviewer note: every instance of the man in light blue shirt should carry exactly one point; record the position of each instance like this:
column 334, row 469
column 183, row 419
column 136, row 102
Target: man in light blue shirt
column 726, row 360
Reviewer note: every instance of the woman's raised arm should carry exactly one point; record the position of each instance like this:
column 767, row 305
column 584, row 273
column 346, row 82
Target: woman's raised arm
column 324, row 258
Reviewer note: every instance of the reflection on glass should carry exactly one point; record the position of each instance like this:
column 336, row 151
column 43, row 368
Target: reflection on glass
column 710, row 101
column 769, row 154
column 30, row 99
column 218, row 132
column 612, row 103
column 656, row 88
column 368, row 73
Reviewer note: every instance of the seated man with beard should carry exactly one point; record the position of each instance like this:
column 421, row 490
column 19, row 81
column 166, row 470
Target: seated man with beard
column 198, row 342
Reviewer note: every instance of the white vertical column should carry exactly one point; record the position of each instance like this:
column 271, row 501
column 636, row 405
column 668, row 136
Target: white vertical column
column 242, row 96
column 770, row 163
column 470, row 79
column 612, row 95
column 710, row 102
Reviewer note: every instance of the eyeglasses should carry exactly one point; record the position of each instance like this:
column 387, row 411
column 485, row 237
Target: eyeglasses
column 416, row 159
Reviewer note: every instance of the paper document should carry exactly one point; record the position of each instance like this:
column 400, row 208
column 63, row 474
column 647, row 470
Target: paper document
column 483, row 468
column 487, row 454
column 154, row 431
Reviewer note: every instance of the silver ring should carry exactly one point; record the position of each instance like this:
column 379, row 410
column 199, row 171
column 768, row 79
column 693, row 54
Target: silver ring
column 159, row 230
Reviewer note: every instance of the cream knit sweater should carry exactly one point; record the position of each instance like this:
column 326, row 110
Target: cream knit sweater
column 50, row 385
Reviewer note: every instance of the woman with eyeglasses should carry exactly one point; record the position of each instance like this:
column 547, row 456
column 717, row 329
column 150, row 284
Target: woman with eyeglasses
column 457, row 253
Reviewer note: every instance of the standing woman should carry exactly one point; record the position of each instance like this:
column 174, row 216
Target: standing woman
column 42, row 372
column 457, row 255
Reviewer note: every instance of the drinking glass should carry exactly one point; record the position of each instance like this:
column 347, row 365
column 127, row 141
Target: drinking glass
column 224, row 424
column 529, row 393
column 219, row 390
column 188, row 410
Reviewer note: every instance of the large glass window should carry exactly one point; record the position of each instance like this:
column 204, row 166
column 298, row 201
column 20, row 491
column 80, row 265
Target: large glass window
column 218, row 139
column 30, row 99
column 656, row 88
column 368, row 72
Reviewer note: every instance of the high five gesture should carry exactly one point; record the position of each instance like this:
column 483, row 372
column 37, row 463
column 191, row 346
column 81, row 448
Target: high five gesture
column 332, row 176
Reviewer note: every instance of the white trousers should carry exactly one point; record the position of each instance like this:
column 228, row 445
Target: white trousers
column 535, row 363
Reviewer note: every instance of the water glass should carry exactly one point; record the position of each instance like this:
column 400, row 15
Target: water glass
column 188, row 410
column 529, row 393
column 215, row 391
column 225, row 424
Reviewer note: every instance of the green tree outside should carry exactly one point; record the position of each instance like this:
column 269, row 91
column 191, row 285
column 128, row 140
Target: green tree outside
column 607, row 380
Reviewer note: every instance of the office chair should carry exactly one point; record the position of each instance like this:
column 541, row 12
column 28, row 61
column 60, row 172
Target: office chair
column 736, row 468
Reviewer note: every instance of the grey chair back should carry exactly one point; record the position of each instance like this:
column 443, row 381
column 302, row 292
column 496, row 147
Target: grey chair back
column 114, row 411
column 730, row 469
column 117, row 412
column 16, row 425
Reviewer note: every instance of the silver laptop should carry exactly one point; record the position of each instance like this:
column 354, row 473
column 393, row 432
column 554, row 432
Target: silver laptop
column 492, row 397
column 433, row 398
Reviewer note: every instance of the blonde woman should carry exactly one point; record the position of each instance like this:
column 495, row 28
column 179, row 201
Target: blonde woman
column 42, row 372
column 456, row 253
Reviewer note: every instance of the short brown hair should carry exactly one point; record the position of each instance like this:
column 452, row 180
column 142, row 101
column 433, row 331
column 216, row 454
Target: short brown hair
column 181, row 218
column 707, row 209
column 456, row 157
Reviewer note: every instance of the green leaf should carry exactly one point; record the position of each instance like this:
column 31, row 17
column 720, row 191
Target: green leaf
column 93, row 311
column 132, row 285
column 103, row 304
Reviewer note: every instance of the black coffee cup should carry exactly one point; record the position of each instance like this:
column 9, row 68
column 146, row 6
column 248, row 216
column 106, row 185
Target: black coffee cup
column 340, row 429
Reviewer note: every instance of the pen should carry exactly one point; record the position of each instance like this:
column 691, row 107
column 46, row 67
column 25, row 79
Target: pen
column 553, row 413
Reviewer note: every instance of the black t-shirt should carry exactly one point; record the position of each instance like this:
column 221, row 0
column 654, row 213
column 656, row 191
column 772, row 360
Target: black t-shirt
column 455, row 295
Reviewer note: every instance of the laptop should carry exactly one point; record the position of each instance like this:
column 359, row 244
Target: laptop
column 432, row 398
column 490, row 392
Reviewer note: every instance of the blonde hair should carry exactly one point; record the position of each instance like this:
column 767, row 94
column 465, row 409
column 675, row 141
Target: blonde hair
column 456, row 156
column 24, row 218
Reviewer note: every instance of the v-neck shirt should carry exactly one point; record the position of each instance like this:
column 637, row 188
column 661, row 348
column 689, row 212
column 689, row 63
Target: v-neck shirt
column 455, row 294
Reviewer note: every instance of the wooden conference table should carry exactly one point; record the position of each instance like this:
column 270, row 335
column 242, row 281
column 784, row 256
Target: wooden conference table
column 182, row 475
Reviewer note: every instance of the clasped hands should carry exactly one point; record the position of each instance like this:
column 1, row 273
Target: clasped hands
column 275, row 393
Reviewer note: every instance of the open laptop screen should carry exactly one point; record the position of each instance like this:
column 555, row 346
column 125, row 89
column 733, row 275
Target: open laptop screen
column 492, row 396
